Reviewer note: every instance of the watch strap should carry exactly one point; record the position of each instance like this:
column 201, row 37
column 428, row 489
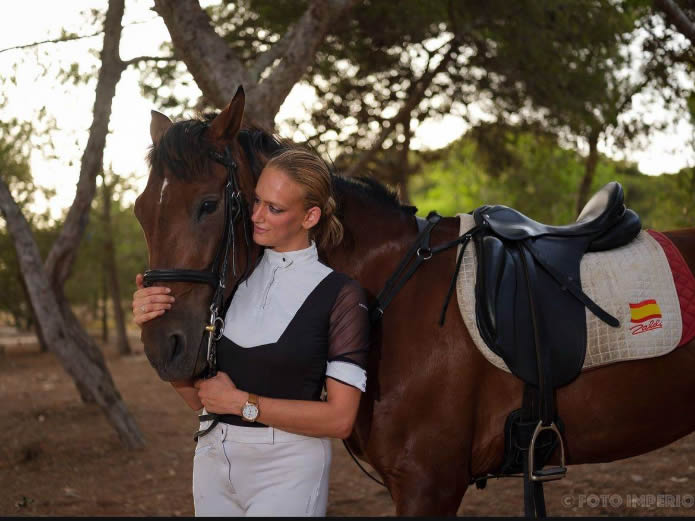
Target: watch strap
column 252, row 400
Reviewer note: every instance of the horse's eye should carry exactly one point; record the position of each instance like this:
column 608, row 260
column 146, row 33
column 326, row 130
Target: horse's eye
column 207, row 207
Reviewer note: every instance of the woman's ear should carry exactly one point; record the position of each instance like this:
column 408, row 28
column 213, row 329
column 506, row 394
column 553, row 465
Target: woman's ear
column 311, row 217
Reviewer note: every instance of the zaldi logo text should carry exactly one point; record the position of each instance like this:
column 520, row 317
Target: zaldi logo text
column 645, row 316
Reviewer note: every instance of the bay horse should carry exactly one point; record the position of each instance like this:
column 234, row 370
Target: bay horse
column 432, row 418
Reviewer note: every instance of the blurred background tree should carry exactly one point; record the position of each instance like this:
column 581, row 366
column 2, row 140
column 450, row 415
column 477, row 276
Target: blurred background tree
column 542, row 86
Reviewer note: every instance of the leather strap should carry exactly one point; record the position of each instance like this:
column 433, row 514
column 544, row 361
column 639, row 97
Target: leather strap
column 176, row 275
column 203, row 418
column 543, row 363
column 420, row 250
column 463, row 240
column 573, row 287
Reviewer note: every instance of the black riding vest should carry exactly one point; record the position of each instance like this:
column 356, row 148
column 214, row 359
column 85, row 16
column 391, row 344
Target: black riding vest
column 292, row 368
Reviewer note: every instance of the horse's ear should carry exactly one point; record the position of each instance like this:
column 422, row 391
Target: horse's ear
column 228, row 122
column 158, row 126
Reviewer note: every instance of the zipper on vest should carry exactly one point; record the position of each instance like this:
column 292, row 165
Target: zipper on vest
column 267, row 289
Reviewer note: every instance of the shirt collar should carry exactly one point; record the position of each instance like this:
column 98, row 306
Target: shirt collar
column 285, row 258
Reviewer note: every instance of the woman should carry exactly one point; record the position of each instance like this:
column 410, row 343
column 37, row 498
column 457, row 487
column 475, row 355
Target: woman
column 292, row 326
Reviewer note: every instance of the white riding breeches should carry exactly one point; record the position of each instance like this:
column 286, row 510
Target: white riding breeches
column 260, row 471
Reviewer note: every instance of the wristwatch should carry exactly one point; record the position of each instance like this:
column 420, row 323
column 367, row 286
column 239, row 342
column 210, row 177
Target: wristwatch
column 250, row 410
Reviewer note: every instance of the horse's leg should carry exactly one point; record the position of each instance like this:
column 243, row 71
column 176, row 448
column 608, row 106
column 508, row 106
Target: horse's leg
column 425, row 469
column 421, row 418
column 422, row 487
column 422, row 421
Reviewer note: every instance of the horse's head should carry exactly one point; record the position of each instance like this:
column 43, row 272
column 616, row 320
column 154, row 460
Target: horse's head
column 183, row 211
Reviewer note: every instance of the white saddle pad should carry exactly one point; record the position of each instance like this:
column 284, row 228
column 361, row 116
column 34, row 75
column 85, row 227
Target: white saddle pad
column 633, row 283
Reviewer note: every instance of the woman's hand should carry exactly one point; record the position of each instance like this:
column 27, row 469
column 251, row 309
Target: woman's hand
column 149, row 303
column 219, row 394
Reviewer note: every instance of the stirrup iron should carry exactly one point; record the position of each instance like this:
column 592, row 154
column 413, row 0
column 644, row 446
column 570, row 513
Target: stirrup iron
column 550, row 473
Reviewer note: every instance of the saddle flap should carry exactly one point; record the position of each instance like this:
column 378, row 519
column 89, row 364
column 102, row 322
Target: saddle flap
column 490, row 274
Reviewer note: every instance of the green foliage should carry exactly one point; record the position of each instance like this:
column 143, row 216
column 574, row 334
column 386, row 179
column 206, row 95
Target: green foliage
column 86, row 285
column 540, row 178
column 15, row 171
column 15, row 148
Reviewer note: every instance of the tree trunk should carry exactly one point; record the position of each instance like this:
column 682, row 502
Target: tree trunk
column 103, row 301
column 61, row 258
column 217, row 69
column 60, row 328
column 89, row 372
column 676, row 16
column 112, row 275
column 403, row 168
column 589, row 170
column 43, row 348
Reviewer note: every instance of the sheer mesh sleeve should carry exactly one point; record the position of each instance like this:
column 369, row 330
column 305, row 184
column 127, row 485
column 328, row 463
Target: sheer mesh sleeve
column 349, row 336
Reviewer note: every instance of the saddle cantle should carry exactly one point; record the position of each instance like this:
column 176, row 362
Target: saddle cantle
column 529, row 301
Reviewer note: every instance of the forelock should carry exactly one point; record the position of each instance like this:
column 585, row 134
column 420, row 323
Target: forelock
column 182, row 151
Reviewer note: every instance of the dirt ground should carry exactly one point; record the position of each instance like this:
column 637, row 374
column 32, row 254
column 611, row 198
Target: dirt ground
column 60, row 457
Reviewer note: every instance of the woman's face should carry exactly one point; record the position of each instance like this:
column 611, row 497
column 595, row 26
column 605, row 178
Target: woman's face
column 279, row 218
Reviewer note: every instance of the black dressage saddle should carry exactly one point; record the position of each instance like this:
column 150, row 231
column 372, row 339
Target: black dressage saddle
column 529, row 300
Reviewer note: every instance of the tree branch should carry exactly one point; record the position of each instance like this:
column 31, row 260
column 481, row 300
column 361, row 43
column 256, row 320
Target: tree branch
column 678, row 18
column 139, row 59
column 218, row 71
column 414, row 98
column 212, row 63
column 66, row 38
column 55, row 40
column 277, row 50
column 306, row 36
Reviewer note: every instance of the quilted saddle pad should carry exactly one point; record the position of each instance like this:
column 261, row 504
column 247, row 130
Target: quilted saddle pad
column 633, row 283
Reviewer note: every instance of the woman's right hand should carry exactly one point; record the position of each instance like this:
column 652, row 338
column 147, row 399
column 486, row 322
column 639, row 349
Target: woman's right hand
column 149, row 303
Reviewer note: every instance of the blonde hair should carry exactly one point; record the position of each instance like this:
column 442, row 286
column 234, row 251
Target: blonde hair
column 311, row 173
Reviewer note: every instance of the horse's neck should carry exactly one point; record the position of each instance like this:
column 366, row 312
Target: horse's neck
column 374, row 242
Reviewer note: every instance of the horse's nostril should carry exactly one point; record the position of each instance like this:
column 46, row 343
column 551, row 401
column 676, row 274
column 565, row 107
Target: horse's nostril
column 178, row 343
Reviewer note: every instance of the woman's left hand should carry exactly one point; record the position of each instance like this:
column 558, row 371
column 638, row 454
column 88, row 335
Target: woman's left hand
column 219, row 394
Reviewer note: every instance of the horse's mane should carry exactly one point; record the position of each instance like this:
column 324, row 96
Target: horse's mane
column 371, row 188
column 179, row 150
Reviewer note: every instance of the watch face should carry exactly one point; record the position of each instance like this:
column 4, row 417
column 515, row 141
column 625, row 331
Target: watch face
column 250, row 411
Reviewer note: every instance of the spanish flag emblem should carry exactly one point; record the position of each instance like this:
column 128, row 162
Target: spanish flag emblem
column 645, row 310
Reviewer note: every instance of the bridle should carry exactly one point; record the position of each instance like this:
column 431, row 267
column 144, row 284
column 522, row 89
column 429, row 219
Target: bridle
column 235, row 208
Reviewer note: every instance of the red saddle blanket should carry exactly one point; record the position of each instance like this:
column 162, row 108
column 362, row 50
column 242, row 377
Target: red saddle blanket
column 685, row 284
